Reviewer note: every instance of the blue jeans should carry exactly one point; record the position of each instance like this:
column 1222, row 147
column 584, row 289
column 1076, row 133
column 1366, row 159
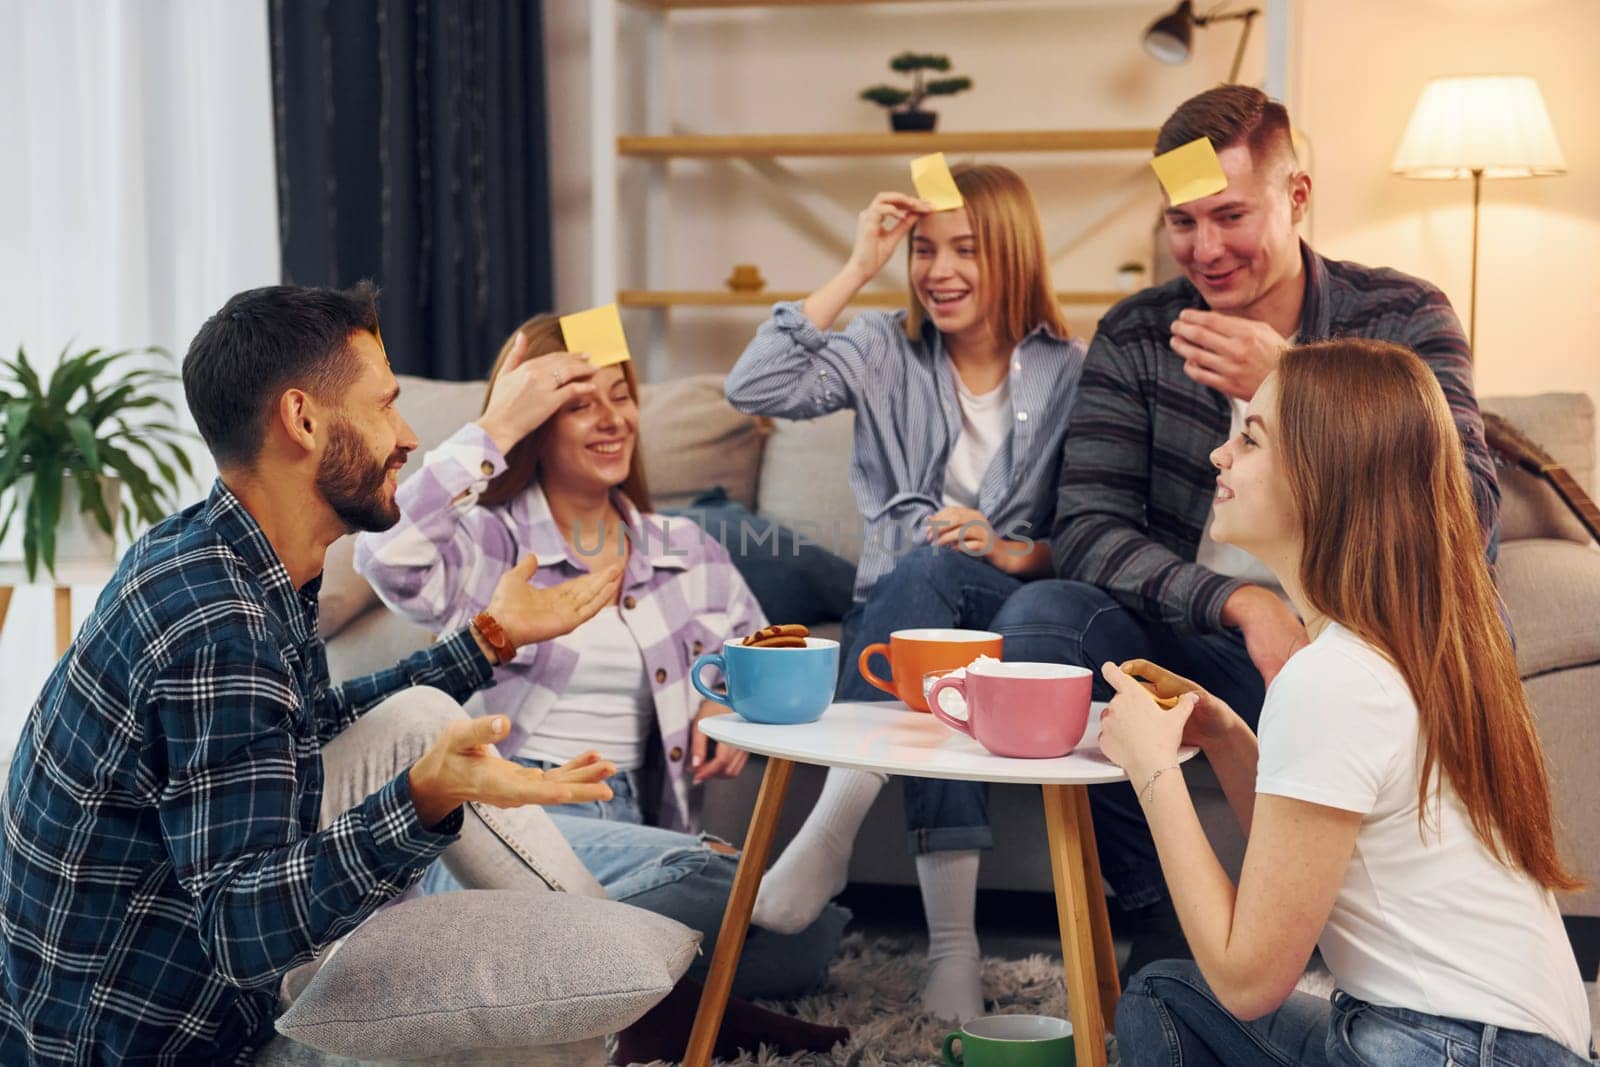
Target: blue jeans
column 1168, row 1016
column 682, row 877
column 794, row 579
column 1074, row 622
column 942, row 588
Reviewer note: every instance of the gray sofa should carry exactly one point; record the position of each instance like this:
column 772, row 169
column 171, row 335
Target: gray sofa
column 795, row 473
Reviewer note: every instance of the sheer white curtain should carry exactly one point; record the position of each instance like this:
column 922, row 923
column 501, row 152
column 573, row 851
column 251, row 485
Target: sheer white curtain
column 137, row 192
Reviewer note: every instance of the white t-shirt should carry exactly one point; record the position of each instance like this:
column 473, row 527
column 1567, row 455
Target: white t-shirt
column 1431, row 923
column 1228, row 559
column 985, row 421
column 607, row 704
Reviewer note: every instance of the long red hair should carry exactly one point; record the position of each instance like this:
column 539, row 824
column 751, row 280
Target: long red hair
column 1393, row 552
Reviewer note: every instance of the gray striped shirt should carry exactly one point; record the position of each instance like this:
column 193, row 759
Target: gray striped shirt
column 1136, row 477
column 908, row 420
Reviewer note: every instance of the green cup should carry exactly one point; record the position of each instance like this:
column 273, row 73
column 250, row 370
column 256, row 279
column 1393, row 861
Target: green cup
column 1011, row 1041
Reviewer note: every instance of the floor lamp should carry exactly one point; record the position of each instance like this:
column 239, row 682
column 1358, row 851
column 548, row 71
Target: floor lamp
column 1480, row 126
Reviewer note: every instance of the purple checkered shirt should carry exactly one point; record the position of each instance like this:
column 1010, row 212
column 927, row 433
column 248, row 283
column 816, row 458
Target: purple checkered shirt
column 681, row 595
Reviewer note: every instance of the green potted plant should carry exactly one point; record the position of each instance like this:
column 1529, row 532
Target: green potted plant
column 67, row 449
column 905, row 105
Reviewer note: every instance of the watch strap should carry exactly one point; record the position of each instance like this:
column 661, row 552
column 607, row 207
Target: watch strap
column 495, row 636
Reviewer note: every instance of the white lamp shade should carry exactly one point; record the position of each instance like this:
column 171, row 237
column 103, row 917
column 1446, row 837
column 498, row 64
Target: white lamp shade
column 1496, row 123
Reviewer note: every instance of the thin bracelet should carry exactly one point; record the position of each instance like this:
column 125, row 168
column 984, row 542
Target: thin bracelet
column 1144, row 794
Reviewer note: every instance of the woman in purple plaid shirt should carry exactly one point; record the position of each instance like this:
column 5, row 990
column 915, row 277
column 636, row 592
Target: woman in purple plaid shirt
column 571, row 491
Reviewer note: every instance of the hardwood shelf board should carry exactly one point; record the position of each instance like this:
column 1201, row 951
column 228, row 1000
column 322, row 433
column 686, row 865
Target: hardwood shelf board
column 685, row 5
column 666, row 298
column 724, row 146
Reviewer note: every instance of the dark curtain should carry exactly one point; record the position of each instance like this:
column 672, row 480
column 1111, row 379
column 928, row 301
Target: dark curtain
column 411, row 144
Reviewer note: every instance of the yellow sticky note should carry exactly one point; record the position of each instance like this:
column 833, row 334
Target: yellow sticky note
column 1190, row 172
column 597, row 333
column 935, row 183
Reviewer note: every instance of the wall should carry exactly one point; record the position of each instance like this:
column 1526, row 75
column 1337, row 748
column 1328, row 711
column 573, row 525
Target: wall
column 1357, row 70
column 137, row 193
column 1035, row 66
column 1538, row 312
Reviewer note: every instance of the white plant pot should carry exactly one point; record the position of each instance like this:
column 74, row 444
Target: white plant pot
column 79, row 538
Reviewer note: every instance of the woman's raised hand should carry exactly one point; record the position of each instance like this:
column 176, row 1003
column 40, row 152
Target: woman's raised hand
column 880, row 228
column 529, row 390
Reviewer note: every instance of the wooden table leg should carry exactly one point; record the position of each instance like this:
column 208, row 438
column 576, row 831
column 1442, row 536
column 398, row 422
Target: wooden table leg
column 5, row 604
column 63, row 619
column 1075, row 914
column 1105, row 953
column 736, row 919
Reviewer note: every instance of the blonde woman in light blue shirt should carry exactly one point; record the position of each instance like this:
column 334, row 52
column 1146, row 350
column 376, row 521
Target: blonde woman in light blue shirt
column 961, row 406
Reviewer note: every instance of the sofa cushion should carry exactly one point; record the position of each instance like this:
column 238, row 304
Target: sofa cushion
column 1563, row 425
column 372, row 641
column 480, row 969
column 345, row 595
column 693, row 440
column 805, row 482
column 436, row 410
column 1552, row 591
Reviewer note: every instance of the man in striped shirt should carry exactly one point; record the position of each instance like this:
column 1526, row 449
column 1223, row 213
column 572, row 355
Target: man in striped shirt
column 1166, row 381
column 162, row 865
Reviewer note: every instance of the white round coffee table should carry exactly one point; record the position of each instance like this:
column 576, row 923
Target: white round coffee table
column 889, row 737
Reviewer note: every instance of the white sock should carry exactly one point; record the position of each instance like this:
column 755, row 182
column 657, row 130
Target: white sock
column 812, row 870
column 949, row 881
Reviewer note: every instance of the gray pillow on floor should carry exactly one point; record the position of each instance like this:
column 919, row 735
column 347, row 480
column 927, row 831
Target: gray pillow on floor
column 481, row 969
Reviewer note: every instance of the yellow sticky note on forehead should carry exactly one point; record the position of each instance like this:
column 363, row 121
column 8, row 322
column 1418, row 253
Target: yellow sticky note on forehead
column 597, row 333
column 935, row 183
column 1190, row 172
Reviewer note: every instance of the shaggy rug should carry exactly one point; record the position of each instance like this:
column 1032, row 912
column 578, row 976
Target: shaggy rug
column 873, row 988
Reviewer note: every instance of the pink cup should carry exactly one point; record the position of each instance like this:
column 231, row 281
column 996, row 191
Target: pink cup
column 1025, row 710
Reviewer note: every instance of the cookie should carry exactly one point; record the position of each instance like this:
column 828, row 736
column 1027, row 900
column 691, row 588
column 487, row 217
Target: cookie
column 791, row 635
column 1166, row 702
column 780, row 642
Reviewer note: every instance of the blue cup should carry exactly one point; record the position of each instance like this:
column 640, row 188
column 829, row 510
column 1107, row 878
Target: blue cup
column 782, row 686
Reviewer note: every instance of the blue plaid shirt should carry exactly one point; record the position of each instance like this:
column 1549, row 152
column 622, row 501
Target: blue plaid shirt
column 162, row 867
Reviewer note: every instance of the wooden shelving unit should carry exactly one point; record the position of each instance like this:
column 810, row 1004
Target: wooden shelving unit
column 689, row 5
column 671, row 298
column 746, row 146
column 658, row 146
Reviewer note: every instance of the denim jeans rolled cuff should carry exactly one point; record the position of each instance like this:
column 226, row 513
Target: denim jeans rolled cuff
column 1370, row 1033
column 1169, row 1015
column 946, row 816
column 1136, row 887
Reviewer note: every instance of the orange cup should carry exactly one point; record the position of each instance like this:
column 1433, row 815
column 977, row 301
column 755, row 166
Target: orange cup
column 913, row 653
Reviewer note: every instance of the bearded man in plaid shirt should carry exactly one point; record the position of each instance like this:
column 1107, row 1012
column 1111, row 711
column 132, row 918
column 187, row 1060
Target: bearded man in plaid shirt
column 163, row 866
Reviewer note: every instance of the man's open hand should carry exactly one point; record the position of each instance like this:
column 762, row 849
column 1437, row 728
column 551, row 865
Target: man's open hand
column 462, row 765
column 528, row 614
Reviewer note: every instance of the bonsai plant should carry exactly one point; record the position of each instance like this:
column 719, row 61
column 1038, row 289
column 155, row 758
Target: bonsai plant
column 905, row 105
column 66, row 444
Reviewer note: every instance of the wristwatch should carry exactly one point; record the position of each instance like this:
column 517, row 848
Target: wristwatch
column 495, row 637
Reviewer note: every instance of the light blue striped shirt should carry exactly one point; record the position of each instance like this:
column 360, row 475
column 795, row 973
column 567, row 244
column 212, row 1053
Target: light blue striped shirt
column 908, row 419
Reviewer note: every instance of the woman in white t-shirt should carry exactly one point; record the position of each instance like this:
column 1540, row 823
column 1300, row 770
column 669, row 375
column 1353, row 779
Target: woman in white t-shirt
column 1396, row 803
